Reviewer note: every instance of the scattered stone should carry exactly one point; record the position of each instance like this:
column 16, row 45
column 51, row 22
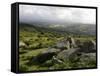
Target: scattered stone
column 66, row 54
column 41, row 58
column 68, row 49
column 51, row 50
column 66, row 43
column 22, row 44
column 71, row 42
column 46, row 55
column 56, row 60
column 88, row 56
column 61, row 45
column 79, row 43
column 89, row 46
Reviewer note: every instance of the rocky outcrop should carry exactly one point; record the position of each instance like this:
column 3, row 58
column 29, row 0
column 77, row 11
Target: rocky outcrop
column 89, row 46
column 46, row 55
column 66, row 54
column 68, row 50
column 66, row 43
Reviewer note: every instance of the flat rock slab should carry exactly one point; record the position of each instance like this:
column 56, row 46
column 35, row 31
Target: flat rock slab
column 46, row 55
column 51, row 50
column 65, row 54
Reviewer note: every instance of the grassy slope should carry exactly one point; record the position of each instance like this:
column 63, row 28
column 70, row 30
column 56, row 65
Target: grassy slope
column 39, row 39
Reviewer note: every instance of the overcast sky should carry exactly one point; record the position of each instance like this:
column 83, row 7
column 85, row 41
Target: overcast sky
column 56, row 15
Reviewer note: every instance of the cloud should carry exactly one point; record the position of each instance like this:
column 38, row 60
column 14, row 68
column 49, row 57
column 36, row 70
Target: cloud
column 56, row 15
column 84, row 15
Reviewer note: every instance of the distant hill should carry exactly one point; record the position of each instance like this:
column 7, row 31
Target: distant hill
column 81, row 29
column 86, row 29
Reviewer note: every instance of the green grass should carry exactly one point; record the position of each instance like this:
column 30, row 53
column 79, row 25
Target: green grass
column 38, row 41
column 25, row 58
